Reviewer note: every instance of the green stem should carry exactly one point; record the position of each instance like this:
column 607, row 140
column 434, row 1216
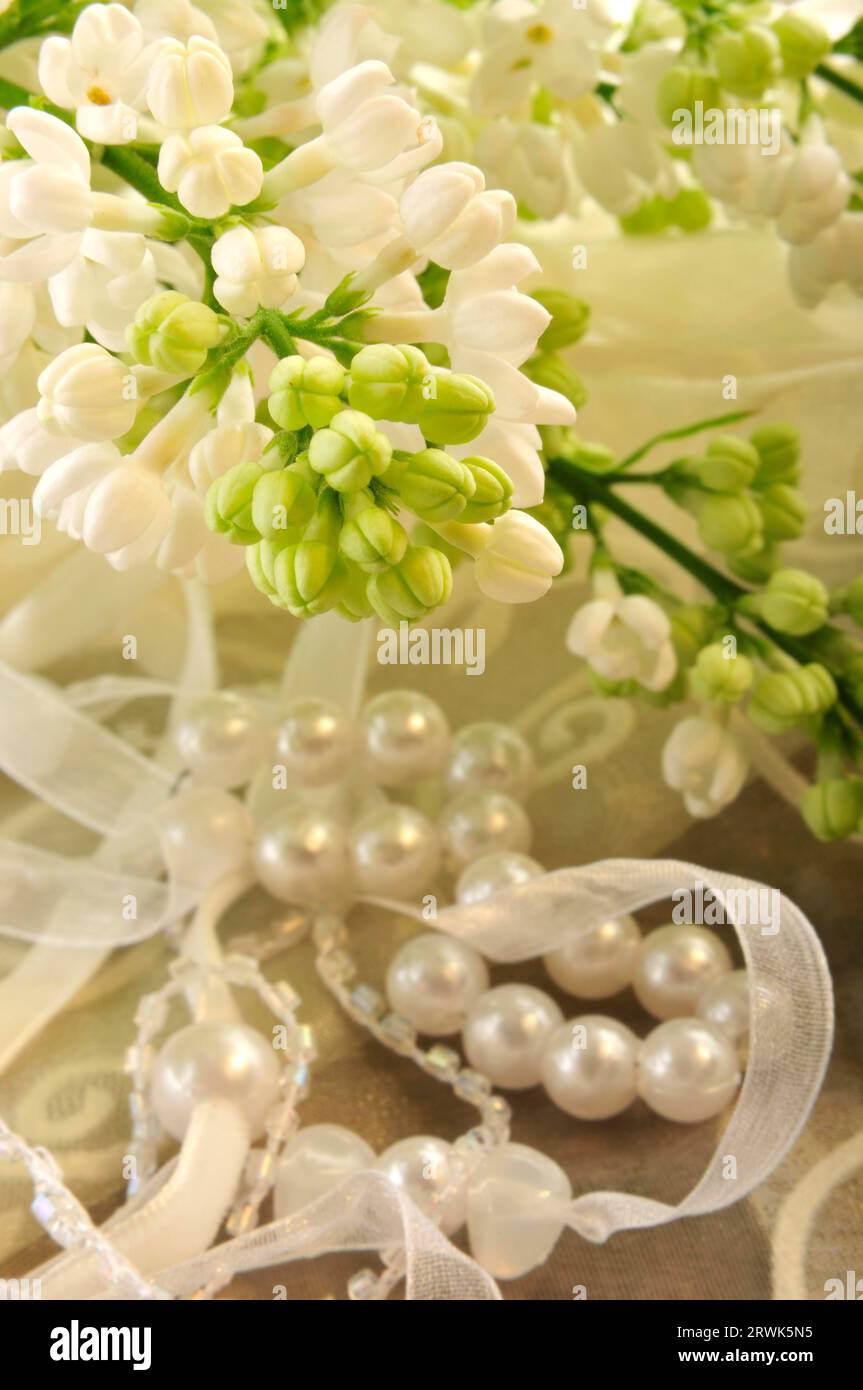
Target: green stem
column 275, row 332
column 840, row 81
column 685, row 431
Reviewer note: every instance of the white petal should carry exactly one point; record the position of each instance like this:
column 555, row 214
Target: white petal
column 50, row 141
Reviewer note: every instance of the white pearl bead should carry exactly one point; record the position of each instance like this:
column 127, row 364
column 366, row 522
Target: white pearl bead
column 315, row 741
column 589, row 1067
column 421, row 1165
column 505, row 1034
column 490, row 757
column 672, row 967
column 725, row 1004
column 434, row 980
column 214, row 1061
column 314, row 1161
column 687, row 1070
column 406, row 737
column 516, row 1204
column 596, row 963
column 204, row 835
column 223, row 740
column 493, row 872
column 302, row 858
column 395, row 852
column 479, row 822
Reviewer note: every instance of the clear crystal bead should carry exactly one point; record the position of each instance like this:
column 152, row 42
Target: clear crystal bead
column 398, row 1032
column 367, row 1001
column 442, row 1061
column 139, row 1057
column 303, row 1048
column 337, row 967
column 260, row 1167
column 472, row 1086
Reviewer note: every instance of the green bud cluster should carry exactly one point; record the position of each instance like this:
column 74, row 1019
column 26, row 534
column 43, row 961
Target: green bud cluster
column 318, row 512
column 743, row 494
column 174, row 333
column 794, row 602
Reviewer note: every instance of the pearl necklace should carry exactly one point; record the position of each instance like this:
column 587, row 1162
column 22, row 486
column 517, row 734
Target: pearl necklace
column 514, row 1035
column 512, row 1198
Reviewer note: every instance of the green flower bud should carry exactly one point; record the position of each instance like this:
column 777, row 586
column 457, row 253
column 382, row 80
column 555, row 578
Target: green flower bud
column 803, row 42
column 282, row 503
column 692, row 626
column 305, row 392
column 547, row 369
column 736, row 458
column 779, row 451
column 387, row 381
column 455, row 408
column 596, row 458
column 852, row 601
column 650, row 218
column 373, row 540
column 310, row 577
column 569, row 319
column 355, row 604
column 228, row 505
column 680, row 88
column 748, row 60
column 493, row 494
column 719, row 676
column 832, row 808
column 730, row 523
column 794, row 602
column 172, row 332
column 783, row 699
column 256, row 570
column 351, row 452
column 729, row 465
column 783, row 510
column 419, row 583
column 691, row 210
column 757, row 568
column 434, row 485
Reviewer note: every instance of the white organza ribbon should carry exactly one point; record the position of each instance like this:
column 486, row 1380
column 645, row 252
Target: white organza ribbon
column 791, row 1028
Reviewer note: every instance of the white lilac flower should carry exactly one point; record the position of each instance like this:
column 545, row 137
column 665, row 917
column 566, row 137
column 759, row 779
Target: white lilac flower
column 367, row 126
column 552, row 46
column 520, row 560
column 533, row 161
column 100, row 73
column 210, row 170
column 623, row 637
column 112, row 274
column 46, row 204
column 621, row 164
column 706, row 762
column 85, row 393
column 834, row 257
column 190, row 84
column 447, row 215
column 256, row 266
